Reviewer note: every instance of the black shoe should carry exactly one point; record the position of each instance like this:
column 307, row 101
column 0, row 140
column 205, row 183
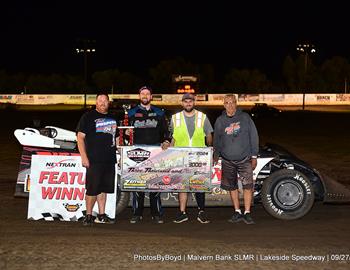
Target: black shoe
column 157, row 220
column 247, row 218
column 88, row 220
column 236, row 217
column 202, row 217
column 135, row 219
column 104, row 219
column 181, row 217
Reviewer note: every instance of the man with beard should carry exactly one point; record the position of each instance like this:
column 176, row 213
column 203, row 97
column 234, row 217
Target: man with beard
column 190, row 128
column 236, row 141
column 150, row 128
column 96, row 137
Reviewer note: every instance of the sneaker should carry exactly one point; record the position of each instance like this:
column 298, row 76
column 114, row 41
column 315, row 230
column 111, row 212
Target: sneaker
column 104, row 219
column 202, row 217
column 88, row 220
column 236, row 217
column 135, row 219
column 157, row 220
column 247, row 218
column 181, row 217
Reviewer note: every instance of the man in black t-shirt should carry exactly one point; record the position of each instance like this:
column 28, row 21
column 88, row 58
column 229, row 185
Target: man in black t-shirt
column 96, row 136
column 150, row 128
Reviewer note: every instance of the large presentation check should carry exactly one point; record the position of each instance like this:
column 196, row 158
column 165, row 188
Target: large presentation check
column 148, row 168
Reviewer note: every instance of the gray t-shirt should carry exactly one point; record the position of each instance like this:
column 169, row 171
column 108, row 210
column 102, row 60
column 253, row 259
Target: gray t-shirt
column 208, row 129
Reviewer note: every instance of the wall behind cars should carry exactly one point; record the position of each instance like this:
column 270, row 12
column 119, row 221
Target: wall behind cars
column 175, row 99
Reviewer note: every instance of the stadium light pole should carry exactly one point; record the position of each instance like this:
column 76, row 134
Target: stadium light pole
column 305, row 49
column 87, row 47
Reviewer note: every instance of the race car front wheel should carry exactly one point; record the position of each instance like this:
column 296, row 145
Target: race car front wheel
column 287, row 194
column 123, row 199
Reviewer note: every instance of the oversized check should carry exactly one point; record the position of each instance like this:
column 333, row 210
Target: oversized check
column 149, row 168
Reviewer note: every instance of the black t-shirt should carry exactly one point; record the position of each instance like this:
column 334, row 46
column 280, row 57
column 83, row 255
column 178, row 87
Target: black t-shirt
column 150, row 126
column 100, row 132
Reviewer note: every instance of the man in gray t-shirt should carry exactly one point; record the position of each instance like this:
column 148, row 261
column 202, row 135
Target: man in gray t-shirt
column 190, row 128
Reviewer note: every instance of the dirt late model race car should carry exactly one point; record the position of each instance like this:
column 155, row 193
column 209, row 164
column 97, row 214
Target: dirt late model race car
column 285, row 185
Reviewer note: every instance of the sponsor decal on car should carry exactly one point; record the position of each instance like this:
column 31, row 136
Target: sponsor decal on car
column 218, row 191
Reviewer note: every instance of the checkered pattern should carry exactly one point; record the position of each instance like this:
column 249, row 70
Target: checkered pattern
column 56, row 216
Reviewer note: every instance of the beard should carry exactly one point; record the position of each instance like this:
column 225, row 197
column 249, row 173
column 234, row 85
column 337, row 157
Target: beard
column 189, row 109
column 145, row 101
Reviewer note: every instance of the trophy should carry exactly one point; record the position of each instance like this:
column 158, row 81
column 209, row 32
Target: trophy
column 126, row 132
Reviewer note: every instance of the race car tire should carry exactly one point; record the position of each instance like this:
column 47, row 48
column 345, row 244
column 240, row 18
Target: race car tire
column 123, row 199
column 287, row 194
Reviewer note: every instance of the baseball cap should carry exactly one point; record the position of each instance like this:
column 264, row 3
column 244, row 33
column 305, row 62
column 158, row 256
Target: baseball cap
column 188, row 96
column 145, row 88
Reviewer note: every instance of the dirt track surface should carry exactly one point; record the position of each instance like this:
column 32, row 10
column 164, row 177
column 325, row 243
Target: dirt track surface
column 320, row 139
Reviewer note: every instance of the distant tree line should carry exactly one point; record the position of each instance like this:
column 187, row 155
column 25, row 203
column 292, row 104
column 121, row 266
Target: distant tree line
column 331, row 76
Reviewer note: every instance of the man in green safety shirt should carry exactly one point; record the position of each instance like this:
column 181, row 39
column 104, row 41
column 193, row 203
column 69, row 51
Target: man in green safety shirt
column 191, row 128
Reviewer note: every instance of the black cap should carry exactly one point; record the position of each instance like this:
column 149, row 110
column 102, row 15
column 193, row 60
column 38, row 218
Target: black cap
column 188, row 96
column 145, row 88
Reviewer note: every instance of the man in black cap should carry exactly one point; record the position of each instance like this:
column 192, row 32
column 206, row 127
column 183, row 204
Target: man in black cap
column 150, row 128
column 191, row 128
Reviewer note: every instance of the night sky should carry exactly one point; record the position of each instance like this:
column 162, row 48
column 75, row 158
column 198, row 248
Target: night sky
column 134, row 37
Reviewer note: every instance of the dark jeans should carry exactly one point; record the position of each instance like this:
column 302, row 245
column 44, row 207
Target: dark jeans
column 200, row 198
column 155, row 203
